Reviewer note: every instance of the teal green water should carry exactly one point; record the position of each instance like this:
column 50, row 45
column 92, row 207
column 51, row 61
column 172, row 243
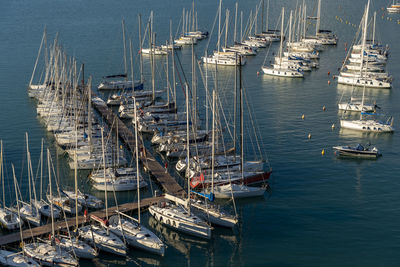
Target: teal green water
column 321, row 211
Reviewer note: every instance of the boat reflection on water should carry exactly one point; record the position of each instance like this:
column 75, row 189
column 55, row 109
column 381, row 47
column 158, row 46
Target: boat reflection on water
column 182, row 242
column 369, row 92
column 365, row 136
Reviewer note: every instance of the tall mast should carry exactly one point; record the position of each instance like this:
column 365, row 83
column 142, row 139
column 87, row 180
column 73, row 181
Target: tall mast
column 193, row 18
column 41, row 169
column 236, row 12
column 373, row 29
column 29, row 170
column 281, row 47
column 51, row 195
column 266, row 19
column 123, row 37
column 183, row 22
column 262, row 15
column 206, row 94
column 235, row 103
column 241, row 26
column 90, row 114
column 153, row 79
column 226, row 27
column 167, row 72
column 137, row 159
column 241, row 114
column 173, row 59
column 37, row 58
column 140, row 48
column 131, row 59
column 364, row 37
column 76, row 165
column 187, row 141
column 317, row 25
column 213, row 142
column 104, row 172
column 219, row 25
column 2, row 173
column 16, row 198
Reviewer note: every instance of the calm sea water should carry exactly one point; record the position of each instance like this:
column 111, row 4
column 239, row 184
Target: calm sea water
column 321, row 211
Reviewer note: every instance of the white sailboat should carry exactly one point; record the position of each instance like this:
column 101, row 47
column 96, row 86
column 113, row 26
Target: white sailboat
column 176, row 212
column 131, row 229
column 278, row 69
column 8, row 219
column 43, row 252
column 16, row 259
column 367, row 125
column 101, row 236
column 364, row 77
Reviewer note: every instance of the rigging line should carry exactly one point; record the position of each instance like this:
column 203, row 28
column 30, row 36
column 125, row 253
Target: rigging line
column 256, row 128
column 223, row 113
column 270, row 43
column 212, row 30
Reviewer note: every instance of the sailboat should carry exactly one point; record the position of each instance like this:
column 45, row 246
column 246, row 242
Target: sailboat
column 367, row 125
column 394, row 8
column 100, row 236
column 175, row 212
column 8, row 219
column 130, row 228
column 280, row 69
column 28, row 211
column 8, row 258
column 43, row 252
column 364, row 76
column 16, row 259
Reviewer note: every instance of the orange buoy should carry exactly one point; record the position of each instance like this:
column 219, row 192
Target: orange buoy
column 329, row 73
column 309, row 136
column 329, row 82
column 323, row 108
column 258, row 73
column 303, row 116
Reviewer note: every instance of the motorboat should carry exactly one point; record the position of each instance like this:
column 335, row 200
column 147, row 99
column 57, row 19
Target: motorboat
column 358, row 151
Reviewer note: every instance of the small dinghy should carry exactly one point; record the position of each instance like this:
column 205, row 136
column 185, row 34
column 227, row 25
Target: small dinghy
column 358, row 151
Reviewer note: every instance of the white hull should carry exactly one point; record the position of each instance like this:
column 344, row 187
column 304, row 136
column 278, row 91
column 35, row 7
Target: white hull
column 366, row 126
column 237, row 191
column 367, row 82
column 178, row 218
column 8, row 258
column 282, row 72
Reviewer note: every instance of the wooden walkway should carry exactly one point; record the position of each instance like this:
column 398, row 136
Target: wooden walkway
column 169, row 184
column 62, row 225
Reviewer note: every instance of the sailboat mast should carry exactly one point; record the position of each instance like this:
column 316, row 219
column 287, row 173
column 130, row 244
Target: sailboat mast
column 241, row 114
column 41, row 170
column 213, row 142
column 266, row 19
column 76, row 166
column 137, row 159
column 281, row 47
column 235, row 103
column 29, row 170
column 140, row 48
column 226, row 27
column 51, row 195
column 234, row 32
column 373, row 29
column 364, row 37
column 187, row 141
column 37, row 58
column 104, row 171
column 219, row 26
column 167, row 72
column 16, row 198
column 123, row 38
column 131, row 59
column 262, row 15
column 317, row 25
column 173, row 59
column 90, row 115
column 2, row 173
